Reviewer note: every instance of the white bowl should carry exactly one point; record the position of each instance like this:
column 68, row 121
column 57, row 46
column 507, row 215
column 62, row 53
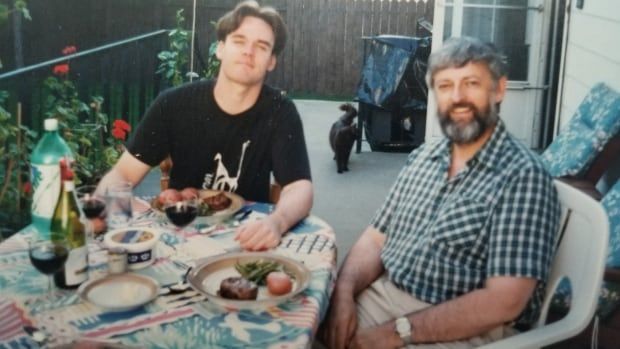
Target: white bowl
column 139, row 253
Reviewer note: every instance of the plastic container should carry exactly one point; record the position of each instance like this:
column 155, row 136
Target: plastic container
column 139, row 242
column 45, row 175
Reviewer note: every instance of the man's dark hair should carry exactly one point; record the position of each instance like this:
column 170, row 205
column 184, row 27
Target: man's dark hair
column 232, row 20
column 457, row 52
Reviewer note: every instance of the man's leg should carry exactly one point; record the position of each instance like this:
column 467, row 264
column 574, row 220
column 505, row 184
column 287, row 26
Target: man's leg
column 383, row 301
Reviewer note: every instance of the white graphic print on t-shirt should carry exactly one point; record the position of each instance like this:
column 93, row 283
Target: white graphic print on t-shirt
column 223, row 181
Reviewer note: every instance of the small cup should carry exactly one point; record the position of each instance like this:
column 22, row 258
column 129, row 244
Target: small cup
column 117, row 260
column 119, row 210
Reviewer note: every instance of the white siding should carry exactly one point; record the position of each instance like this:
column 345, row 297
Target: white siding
column 592, row 52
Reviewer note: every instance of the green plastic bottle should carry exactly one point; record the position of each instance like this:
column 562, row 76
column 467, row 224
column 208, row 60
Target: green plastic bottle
column 45, row 175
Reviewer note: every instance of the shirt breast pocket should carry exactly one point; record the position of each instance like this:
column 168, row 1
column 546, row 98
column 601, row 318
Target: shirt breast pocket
column 460, row 223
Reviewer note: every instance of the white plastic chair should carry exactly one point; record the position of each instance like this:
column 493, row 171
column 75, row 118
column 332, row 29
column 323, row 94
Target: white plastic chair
column 580, row 257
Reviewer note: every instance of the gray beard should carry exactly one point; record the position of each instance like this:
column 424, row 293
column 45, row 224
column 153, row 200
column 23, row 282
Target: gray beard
column 473, row 130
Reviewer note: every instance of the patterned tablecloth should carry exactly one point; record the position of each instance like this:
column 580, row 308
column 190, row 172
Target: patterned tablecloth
column 184, row 320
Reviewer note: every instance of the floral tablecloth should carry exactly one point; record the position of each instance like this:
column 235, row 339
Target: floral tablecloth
column 186, row 320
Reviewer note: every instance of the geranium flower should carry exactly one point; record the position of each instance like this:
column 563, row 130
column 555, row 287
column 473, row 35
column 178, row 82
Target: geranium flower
column 69, row 50
column 120, row 128
column 27, row 188
column 61, row 69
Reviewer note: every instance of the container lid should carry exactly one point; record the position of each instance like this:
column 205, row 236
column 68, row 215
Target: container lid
column 50, row 124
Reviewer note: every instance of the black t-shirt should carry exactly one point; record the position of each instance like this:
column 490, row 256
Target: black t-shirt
column 211, row 149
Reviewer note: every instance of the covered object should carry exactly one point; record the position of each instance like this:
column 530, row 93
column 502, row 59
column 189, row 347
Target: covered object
column 392, row 93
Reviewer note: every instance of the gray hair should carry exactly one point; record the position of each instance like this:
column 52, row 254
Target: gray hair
column 457, row 52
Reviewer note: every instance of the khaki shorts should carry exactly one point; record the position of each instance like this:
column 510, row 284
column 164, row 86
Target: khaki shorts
column 383, row 301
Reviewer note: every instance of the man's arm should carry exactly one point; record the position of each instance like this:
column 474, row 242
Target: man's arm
column 294, row 205
column 362, row 266
column 499, row 302
column 127, row 169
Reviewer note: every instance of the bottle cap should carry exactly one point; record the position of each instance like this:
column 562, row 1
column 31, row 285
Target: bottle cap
column 50, row 124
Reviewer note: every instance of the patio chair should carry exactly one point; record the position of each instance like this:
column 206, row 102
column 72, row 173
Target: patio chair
column 586, row 136
column 580, row 257
column 607, row 329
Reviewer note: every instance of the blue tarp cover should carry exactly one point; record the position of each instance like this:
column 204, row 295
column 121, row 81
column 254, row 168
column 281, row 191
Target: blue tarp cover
column 388, row 58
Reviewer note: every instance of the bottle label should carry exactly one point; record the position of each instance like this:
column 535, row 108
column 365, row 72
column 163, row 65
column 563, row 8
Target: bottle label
column 46, row 184
column 76, row 267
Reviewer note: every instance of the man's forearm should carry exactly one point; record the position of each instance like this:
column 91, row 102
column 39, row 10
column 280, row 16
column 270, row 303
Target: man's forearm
column 293, row 205
column 474, row 313
column 127, row 169
column 363, row 264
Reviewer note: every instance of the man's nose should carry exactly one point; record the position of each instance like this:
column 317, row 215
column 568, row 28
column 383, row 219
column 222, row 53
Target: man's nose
column 457, row 94
column 248, row 49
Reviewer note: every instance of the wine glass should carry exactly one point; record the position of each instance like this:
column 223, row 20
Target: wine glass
column 48, row 257
column 92, row 205
column 181, row 213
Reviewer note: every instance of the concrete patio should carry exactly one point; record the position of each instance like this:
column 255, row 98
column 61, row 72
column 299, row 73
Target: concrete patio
column 346, row 201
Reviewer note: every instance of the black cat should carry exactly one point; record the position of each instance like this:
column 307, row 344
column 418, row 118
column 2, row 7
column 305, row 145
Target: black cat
column 342, row 136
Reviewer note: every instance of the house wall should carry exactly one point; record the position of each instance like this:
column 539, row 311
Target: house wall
column 592, row 52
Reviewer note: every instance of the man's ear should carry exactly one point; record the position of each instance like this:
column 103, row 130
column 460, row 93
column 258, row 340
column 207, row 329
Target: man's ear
column 272, row 63
column 500, row 89
column 218, row 50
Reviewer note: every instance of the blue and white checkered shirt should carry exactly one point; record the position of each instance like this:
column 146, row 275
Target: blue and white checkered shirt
column 497, row 217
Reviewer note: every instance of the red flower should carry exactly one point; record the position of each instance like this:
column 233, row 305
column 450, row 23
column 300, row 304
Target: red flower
column 61, row 69
column 68, row 50
column 27, row 188
column 120, row 128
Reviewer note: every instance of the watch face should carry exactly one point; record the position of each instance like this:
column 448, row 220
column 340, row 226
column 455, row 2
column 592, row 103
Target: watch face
column 403, row 327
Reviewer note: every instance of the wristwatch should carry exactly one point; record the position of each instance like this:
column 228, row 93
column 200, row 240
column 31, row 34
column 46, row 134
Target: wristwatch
column 404, row 330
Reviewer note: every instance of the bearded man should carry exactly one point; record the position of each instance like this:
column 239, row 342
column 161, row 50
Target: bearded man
column 458, row 254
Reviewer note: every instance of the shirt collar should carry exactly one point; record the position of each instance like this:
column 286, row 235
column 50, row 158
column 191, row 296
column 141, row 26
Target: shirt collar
column 487, row 155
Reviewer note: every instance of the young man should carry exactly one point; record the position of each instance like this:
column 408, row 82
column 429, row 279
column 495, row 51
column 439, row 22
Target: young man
column 458, row 254
column 233, row 133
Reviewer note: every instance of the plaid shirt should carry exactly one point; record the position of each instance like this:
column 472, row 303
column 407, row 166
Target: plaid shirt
column 497, row 217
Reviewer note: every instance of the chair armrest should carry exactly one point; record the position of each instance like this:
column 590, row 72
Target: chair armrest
column 540, row 337
column 612, row 275
column 584, row 186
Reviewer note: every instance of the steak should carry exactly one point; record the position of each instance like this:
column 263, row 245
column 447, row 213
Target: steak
column 218, row 202
column 237, row 287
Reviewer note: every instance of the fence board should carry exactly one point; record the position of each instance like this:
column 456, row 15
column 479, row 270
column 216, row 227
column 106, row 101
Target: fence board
column 323, row 55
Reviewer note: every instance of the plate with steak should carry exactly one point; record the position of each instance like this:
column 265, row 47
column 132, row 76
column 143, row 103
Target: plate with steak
column 244, row 280
column 214, row 206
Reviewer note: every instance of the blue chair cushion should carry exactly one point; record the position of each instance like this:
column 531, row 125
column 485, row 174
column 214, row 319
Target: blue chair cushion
column 595, row 122
column 611, row 203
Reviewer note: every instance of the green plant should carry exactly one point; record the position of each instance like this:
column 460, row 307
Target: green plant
column 84, row 127
column 18, row 6
column 213, row 64
column 174, row 60
column 16, row 143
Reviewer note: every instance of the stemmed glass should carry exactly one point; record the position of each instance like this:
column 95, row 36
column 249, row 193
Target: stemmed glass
column 92, row 205
column 181, row 213
column 48, row 257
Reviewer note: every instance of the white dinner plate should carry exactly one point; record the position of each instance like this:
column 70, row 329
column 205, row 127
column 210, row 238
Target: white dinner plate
column 207, row 277
column 119, row 292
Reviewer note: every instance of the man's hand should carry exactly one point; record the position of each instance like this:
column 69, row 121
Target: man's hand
column 260, row 234
column 382, row 336
column 341, row 322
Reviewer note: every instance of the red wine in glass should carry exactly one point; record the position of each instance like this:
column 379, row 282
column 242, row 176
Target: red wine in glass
column 181, row 213
column 92, row 206
column 48, row 259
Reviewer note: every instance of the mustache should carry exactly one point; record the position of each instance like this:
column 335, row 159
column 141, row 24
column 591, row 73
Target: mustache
column 462, row 105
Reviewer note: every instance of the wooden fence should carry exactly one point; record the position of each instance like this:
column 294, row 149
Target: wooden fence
column 323, row 56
